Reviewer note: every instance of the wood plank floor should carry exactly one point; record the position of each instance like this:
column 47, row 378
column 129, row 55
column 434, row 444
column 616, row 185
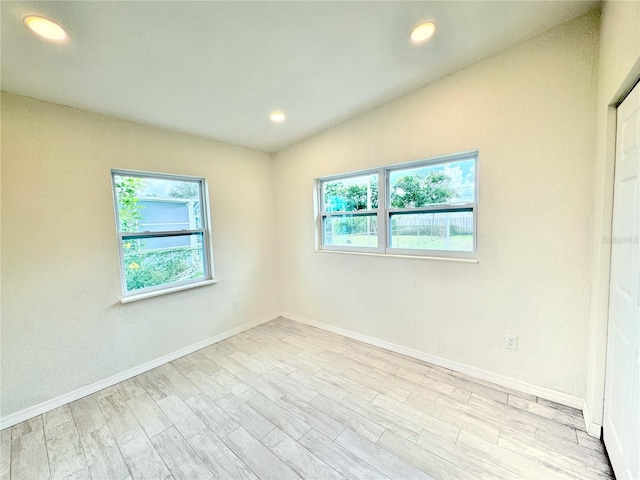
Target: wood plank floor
column 286, row 401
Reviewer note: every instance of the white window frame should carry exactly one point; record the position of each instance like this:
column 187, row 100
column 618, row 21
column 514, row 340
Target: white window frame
column 322, row 213
column 385, row 211
column 204, row 230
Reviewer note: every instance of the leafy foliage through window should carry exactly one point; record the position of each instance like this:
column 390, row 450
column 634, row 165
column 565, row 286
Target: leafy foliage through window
column 419, row 190
column 162, row 230
column 421, row 208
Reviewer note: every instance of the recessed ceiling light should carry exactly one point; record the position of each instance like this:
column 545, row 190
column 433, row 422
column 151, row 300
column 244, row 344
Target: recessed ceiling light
column 422, row 32
column 45, row 28
column 277, row 117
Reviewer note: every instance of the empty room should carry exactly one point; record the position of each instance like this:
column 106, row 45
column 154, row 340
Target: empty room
column 320, row 240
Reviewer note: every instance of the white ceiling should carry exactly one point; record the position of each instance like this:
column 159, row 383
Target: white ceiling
column 217, row 69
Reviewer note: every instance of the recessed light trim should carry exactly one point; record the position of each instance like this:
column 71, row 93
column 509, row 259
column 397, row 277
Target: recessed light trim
column 277, row 117
column 45, row 28
column 422, row 32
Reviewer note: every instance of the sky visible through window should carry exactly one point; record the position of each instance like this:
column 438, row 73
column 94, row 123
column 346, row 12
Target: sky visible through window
column 415, row 197
column 168, row 212
column 461, row 174
column 156, row 187
column 352, row 193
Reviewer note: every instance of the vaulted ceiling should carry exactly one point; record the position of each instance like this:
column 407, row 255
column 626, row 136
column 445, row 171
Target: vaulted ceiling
column 217, row 69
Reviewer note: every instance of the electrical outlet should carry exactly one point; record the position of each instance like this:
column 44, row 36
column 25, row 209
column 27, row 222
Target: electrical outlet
column 236, row 304
column 511, row 341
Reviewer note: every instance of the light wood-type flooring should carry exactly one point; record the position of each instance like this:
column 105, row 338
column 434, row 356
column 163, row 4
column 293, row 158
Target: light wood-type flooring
column 285, row 401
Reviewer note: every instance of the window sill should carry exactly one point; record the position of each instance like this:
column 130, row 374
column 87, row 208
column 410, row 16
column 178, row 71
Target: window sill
column 164, row 291
column 393, row 255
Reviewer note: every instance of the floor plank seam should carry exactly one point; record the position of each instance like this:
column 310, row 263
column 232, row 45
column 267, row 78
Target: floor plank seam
column 278, row 383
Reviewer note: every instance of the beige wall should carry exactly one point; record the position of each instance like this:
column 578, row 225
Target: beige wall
column 531, row 112
column 62, row 324
column 619, row 68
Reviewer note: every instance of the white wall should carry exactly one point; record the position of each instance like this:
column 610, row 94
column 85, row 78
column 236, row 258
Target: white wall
column 619, row 69
column 531, row 112
column 62, row 324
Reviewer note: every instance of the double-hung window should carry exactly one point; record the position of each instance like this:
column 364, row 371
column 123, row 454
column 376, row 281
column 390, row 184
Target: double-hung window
column 349, row 212
column 426, row 208
column 163, row 232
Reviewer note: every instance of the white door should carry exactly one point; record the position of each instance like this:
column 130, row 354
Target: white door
column 622, row 389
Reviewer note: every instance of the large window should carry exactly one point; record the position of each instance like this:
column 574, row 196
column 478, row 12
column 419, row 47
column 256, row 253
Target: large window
column 163, row 234
column 422, row 208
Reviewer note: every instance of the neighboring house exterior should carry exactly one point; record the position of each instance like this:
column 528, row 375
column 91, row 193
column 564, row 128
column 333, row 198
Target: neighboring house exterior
column 168, row 213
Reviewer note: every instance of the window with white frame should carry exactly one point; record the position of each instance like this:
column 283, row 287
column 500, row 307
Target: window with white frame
column 425, row 208
column 163, row 232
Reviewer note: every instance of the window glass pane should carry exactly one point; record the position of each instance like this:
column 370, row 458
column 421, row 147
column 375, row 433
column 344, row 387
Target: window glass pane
column 349, row 194
column 350, row 230
column 157, row 204
column 433, row 231
column 149, row 262
column 432, row 184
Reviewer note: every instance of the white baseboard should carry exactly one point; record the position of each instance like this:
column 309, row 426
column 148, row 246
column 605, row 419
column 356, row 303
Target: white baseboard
column 543, row 392
column 593, row 429
column 519, row 385
column 48, row 405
